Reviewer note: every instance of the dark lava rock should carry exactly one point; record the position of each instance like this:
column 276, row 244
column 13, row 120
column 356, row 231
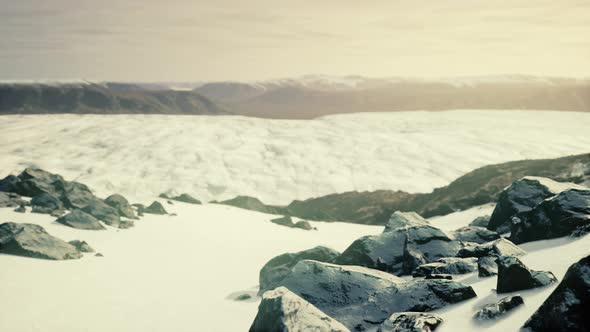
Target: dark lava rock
column 486, row 266
column 410, row 322
column 475, row 234
column 32, row 182
column 8, row 199
column 513, row 276
column 186, row 198
column 155, row 208
column 523, row 195
column 400, row 250
column 439, row 276
column 103, row 212
column 121, row 204
column 283, row 310
column 80, row 220
column 566, row 309
column 495, row 310
column 81, row 246
column 447, row 265
column 280, row 266
column 33, row 241
column 558, row 216
column 482, row 221
column 46, row 203
column 500, row 247
column 362, row 298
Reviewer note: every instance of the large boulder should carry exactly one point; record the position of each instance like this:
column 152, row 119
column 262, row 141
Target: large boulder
column 80, row 220
column 8, row 199
column 566, row 309
column 103, row 212
column 46, row 203
column 500, row 308
column 475, row 234
column 33, row 241
column 283, row 310
column 410, row 322
column 447, row 265
column 121, row 204
column 363, row 298
column 497, row 248
column 514, row 276
column 401, row 250
column 558, row 216
column 155, row 208
column 76, row 195
column 404, row 219
column 523, row 195
column 280, row 266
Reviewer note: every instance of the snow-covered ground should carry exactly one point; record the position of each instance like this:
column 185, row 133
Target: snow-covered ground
column 277, row 161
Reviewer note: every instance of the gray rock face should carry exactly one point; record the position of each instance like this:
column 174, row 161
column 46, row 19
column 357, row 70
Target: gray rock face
column 486, row 266
column 81, row 246
column 447, row 265
column 500, row 247
column 363, row 298
column 80, row 220
column 561, row 215
column 482, row 221
column 280, row 266
column 8, row 199
column 121, row 204
column 410, row 322
column 513, row 276
column 46, row 203
column 566, row 309
column 404, row 219
column 33, row 241
column 76, row 195
column 155, row 208
column 401, row 250
column 282, row 310
column 103, row 212
column 523, row 195
column 475, row 234
column 495, row 310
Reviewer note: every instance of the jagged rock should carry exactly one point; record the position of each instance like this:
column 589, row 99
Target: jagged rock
column 282, row 310
column 566, row 309
column 486, row 266
column 46, row 203
column 103, row 212
column 513, row 276
column 33, row 241
column 76, row 195
column 403, row 219
column 80, row 220
column 495, row 310
column 8, row 199
column 122, row 206
column 400, row 251
column 558, row 216
column 21, row 209
column 287, row 221
column 362, row 298
column 447, row 265
column 475, row 234
column 410, row 322
column 155, row 208
column 500, row 247
column 186, row 198
column 482, row 221
column 81, row 246
column 523, row 195
column 280, row 266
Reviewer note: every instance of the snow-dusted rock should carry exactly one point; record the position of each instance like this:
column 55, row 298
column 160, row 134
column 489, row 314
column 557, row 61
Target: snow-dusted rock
column 280, row 266
column 566, row 309
column 46, row 203
column 500, row 247
column 475, row 234
column 33, row 241
column 486, row 266
column 103, row 212
column 523, row 195
column 401, row 250
column 359, row 297
column 481, row 221
column 284, row 311
column 80, row 220
column 403, row 219
column 447, row 265
column 558, row 216
column 500, row 308
column 513, row 276
column 410, row 322
column 155, row 208
column 121, row 204
column 81, row 246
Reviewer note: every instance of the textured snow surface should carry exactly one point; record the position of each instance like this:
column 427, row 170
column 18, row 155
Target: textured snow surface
column 277, row 161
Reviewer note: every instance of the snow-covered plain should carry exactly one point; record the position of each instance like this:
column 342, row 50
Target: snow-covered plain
column 277, row 161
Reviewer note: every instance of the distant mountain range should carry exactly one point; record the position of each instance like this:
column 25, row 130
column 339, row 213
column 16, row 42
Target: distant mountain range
column 300, row 98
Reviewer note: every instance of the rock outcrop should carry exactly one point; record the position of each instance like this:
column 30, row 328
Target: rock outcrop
column 283, row 310
column 475, row 234
column 566, row 309
column 447, row 265
column 410, row 322
column 155, row 208
column 32, row 240
column 500, row 308
column 513, row 276
column 80, row 220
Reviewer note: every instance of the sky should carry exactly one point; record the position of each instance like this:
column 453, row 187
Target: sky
column 196, row 40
